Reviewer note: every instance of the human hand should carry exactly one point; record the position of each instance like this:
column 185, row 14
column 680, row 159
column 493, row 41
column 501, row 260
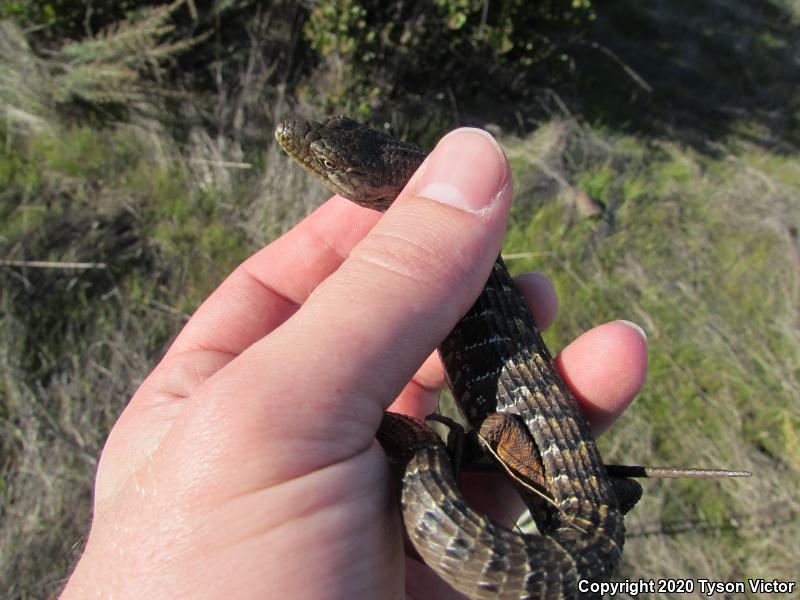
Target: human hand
column 245, row 465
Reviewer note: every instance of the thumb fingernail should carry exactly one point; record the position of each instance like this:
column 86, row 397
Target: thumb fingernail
column 466, row 170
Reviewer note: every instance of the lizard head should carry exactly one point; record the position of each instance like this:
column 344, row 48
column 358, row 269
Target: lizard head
column 364, row 165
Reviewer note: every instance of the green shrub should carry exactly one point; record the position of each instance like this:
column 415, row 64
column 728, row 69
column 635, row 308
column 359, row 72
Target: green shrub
column 443, row 52
column 69, row 17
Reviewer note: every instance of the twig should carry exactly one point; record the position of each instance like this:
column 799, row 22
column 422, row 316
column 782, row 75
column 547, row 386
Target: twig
column 46, row 264
column 623, row 65
column 222, row 163
column 518, row 255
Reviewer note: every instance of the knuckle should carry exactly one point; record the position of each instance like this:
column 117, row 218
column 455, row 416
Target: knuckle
column 410, row 259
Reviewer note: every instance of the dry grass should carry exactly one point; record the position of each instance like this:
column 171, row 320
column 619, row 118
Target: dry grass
column 168, row 219
column 702, row 253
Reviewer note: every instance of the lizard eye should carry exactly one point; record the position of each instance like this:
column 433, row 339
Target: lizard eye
column 328, row 164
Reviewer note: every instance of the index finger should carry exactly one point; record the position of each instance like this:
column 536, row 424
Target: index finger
column 269, row 287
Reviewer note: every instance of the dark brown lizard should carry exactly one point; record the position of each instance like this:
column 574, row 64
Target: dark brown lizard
column 509, row 389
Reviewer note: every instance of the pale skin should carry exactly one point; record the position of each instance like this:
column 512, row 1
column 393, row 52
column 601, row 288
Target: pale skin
column 245, row 465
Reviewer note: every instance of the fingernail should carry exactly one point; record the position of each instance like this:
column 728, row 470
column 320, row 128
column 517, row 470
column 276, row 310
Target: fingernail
column 635, row 327
column 467, row 170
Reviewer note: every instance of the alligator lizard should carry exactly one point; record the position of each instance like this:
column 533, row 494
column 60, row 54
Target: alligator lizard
column 498, row 367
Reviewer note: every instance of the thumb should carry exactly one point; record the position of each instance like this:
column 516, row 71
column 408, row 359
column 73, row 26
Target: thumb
column 369, row 326
column 316, row 386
